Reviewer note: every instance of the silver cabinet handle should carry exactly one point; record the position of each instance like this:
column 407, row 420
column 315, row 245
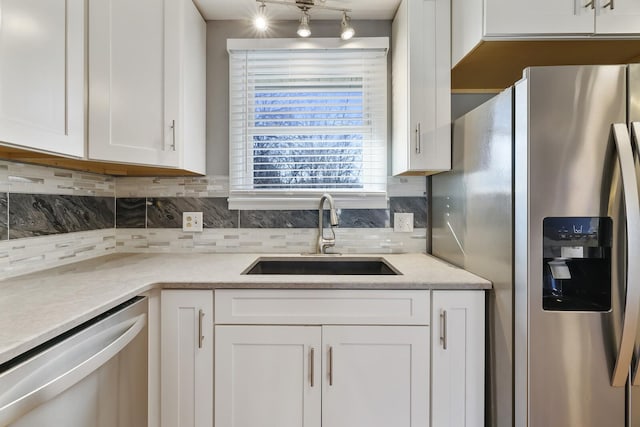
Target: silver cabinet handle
column 443, row 329
column 330, row 365
column 418, row 139
column 591, row 4
column 626, row 158
column 173, row 135
column 200, row 335
column 609, row 4
column 312, row 368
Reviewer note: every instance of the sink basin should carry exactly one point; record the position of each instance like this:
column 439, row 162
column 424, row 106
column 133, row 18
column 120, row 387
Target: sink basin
column 329, row 265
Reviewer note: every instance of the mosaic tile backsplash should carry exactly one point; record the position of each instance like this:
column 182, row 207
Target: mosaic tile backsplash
column 51, row 216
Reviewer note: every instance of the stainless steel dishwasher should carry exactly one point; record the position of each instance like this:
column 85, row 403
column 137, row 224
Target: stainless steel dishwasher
column 92, row 376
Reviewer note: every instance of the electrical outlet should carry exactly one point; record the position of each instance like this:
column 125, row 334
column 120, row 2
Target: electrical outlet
column 403, row 222
column 192, row 221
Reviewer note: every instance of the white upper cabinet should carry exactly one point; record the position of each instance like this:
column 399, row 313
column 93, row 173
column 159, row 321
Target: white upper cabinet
column 147, row 83
column 504, row 17
column 517, row 17
column 421, row 85
column 476, row 20
column 42, row 75
column 617, row 17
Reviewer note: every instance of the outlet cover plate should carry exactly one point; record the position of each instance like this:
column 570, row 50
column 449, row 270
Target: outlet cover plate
column 403, row 222
column 192, row 221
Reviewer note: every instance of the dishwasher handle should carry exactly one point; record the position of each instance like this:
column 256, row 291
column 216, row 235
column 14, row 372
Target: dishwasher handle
column 32, row 391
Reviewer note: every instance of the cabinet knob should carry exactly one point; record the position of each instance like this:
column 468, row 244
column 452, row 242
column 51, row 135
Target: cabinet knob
column 591, row 4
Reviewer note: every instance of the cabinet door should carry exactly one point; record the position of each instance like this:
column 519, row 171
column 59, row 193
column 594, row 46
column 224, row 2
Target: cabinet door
column 186, row 353
column 42, row 75
column 618, row 17
column 458, row 359
column 267, row 376
column 191, row 92
column 375, row 376
column 545, row 17
column 128, row 82
column 421, row 80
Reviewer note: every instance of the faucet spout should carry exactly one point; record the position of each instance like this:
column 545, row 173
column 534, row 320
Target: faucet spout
column 326, row 242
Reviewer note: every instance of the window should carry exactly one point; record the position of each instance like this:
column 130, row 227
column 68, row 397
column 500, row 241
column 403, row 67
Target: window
column 307, row 118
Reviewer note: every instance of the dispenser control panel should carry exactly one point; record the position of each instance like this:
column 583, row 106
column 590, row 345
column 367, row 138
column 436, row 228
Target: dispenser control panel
column 576, row 237
column 577, row 263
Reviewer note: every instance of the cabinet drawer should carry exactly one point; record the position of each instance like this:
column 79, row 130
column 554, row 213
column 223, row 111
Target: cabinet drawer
column 311, row 307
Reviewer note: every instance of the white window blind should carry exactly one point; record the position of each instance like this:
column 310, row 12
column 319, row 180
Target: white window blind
column 305, row 121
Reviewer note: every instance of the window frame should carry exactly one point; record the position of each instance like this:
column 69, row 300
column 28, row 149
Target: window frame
column 304, row 198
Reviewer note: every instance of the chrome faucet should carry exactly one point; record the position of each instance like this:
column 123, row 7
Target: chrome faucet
column 323, row 242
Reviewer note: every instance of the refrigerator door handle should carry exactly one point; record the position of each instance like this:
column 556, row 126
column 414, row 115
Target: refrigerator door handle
column 635, row 134
column 626, row 154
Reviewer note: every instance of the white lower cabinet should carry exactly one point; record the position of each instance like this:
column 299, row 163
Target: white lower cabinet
column 267, row 376
column 186, row 358
column 322, row 358
column 308, row 376
column 311, row 358
column 375, row 376
column 457, row 351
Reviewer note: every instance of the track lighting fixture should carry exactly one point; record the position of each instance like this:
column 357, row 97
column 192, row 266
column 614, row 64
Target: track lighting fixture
column 261, row 23
column 305, row 6
column 346, row 30
column 303, row 28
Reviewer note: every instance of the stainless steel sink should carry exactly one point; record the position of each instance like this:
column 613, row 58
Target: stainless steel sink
column 322, row 265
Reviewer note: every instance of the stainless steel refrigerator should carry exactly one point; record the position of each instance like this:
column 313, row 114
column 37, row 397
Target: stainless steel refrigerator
column 543, row 201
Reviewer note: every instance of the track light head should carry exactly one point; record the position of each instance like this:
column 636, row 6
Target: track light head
column 303, row 29
column 260, row 22
column 346, row 30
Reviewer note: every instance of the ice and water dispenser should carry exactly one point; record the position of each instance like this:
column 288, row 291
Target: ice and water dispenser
column 577, row 264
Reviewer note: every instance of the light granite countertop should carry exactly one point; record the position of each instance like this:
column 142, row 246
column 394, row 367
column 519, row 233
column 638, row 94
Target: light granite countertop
column 37, row 307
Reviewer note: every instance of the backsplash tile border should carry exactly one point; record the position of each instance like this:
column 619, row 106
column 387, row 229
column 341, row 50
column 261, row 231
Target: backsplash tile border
column 166, row 212
column 46, row 214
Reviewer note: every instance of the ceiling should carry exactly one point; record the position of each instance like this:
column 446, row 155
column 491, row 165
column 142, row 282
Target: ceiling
column 246, row 9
